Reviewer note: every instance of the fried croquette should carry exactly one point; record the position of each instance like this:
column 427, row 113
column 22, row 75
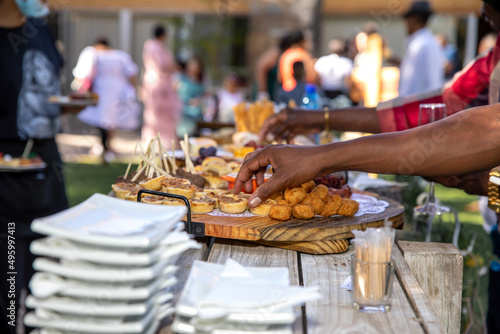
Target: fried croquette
column 303, row 211
column 263, row 208
column 331, row 206
column 314, row 201
column 280, row 212
column 321, row 190
column 277, row 196
column 283, row 202
column 309, row 186
column 295, row 195
column 348, row 208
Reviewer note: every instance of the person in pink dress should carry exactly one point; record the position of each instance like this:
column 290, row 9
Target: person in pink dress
column 162, row 107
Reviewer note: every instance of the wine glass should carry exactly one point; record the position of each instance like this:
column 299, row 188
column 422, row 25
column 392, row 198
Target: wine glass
column 429, row 113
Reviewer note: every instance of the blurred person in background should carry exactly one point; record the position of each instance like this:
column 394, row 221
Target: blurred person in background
column 191, row 90
column 29, row 73
column 296, row 52
column 114, row 77
column 423, row 64
column 162, row 106
column 452, row 65
column 296, row 94
column 334, row 69
column 266, row 70
column 229, row 96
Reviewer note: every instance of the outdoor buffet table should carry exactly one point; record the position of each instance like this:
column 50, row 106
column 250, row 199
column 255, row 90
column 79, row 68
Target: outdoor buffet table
column 411, row 310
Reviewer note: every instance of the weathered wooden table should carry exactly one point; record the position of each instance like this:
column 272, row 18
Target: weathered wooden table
column 411, row 310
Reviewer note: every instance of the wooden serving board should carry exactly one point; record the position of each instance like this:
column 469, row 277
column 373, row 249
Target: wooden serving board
column 317, row 235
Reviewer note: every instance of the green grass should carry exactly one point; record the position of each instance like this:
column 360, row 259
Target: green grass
column 84, row 180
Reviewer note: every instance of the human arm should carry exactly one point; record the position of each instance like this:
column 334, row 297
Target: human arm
column 465, row 142
column 290, row 122
column 266, row 61
column 475, row 183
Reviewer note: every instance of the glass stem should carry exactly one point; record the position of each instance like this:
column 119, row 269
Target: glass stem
column 432, row 199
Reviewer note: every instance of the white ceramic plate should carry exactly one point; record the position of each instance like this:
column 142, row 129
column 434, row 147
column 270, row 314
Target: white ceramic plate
column 97, row 309
column 204, row 275
column 111, row 222
column 96, row 273
column 125, row 325
column 66, row 249
column 44, row 285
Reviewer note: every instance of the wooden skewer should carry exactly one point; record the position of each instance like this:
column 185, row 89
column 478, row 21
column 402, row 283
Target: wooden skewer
column 152, row 165
column 131, row 158
column 152, row 157
column 27, row 148
column 139, row 172
column 172, row 159
column 162, row 152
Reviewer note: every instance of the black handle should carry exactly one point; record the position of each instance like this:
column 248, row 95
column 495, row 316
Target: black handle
column 194, row 228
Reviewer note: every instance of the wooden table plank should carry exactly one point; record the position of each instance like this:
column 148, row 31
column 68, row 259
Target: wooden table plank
column 438, row 268
column 252, row 255
column 415, row 295
column 335, row 313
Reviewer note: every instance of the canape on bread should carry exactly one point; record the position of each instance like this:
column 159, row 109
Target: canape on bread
column 202, row 205
column 123, row 189
column 230, row 203
column 153, row 184
column 187, row 191
column 209, row 160
column 172, row 201
column 263, row 208
column 152, row 199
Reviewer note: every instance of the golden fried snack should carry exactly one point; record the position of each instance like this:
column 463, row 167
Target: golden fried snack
column 348, row 208
column 295, row 195
column 263, row 208
column 277, row 196
column 153, row 184
column 322, row 191
column 230, row 203
column 331, row 206
column 218, row 168
column 309, row 186
column 202, row 205
column 303, row 211
column 283, row 202
column 314, row 201
column 280, row 212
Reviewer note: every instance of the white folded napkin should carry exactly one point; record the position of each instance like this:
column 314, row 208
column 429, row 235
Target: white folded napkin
column 237, row 290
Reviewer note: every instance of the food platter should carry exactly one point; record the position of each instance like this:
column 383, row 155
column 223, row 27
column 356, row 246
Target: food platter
column 33, row 167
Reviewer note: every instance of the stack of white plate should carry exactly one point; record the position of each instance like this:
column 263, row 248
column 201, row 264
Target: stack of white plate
column 106, row 267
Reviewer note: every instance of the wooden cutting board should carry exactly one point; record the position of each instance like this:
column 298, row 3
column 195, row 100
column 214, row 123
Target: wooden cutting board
column 318, row 235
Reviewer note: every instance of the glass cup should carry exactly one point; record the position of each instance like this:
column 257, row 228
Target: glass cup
column 371, row 285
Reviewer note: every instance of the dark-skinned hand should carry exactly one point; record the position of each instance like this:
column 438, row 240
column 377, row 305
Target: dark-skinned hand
column 472, row 183
column 293, row 166
column 291, row 122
